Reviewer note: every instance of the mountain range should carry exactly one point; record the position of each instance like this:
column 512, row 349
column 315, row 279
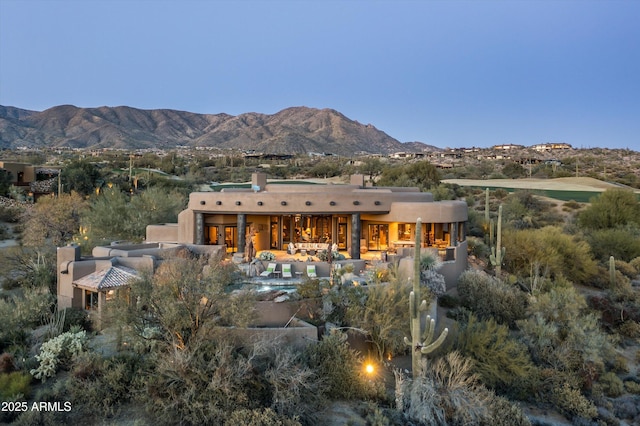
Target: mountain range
column 293, row 130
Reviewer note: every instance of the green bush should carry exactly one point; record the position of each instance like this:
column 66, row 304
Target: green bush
column 501, row 362
column 612, row 208
column 621, row 243
column 626, row 268
column 572, row 403
column 99, row 385
column 503, row 412
column 258, row 417
column 340, row 366
column 476, row 247
column 15, row 384
column 488, row 297
column 632, row 387
column 76, row 317
column 309, row 288
column 611, row 384
column 383, row 313
column 548, row 249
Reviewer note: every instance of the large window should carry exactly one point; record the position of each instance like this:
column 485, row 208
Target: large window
column 404, row 232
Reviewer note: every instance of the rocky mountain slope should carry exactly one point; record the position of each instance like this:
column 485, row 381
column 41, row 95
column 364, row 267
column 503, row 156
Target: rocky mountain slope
column 292, row 130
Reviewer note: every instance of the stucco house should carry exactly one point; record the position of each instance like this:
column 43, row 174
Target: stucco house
column 355, row 217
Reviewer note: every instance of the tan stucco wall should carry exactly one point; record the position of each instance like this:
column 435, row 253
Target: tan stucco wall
column 166, row 232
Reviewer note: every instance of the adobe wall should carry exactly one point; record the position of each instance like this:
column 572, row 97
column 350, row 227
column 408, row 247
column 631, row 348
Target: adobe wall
column 165, row 232
column 297, row 335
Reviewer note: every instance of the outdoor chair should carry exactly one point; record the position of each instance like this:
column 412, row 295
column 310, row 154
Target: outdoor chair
column 286, row 270
column 269, row 271
column 311, row 271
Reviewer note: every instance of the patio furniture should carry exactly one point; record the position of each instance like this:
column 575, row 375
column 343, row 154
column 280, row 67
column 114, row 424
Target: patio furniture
column 286, row 270
column 270, row 270
column 311, row 271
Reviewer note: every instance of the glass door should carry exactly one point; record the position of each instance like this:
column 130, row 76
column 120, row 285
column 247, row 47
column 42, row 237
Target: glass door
column 211, row 235
column 378, row 237
column 230, row 238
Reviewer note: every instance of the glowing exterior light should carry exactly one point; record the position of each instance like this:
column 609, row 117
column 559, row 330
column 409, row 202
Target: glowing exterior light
column 369, row 368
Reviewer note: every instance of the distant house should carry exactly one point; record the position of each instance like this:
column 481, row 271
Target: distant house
column 36, row 180
column 551, row 146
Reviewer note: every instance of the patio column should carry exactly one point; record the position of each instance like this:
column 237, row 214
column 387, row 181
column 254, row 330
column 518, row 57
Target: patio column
column 454, row 234
column 242, row 232
column 199, row 228
column 355, row 235
column 102, row 301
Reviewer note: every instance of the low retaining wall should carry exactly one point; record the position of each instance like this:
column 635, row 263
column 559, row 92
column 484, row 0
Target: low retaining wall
column 277, row 314
column 298, row 334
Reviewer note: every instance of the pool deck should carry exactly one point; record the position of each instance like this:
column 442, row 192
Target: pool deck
column 370, row 258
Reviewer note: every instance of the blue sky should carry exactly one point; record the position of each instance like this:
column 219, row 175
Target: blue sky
column 447, row 73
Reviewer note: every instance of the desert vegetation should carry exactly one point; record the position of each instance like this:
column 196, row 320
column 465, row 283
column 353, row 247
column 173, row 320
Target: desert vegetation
column 555, row 328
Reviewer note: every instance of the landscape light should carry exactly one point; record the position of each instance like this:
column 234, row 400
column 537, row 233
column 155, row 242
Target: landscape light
column 369, row 368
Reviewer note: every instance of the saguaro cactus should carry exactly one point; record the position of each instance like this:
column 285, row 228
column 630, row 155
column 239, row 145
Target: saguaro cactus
column 420, row 343
column 497, row 251
column 486, row 205
column 612, row 271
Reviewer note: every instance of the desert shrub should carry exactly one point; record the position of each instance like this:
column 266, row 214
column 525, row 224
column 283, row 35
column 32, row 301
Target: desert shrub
column 635, row 262
column 548, row 248
column 619, row 364
column 15, row 384
column 476, row 247
column 295, row 389
column 632, row 387
column 384, row 315
column 573, row 205
column 572, row 403
column 448, row 301
column 41, row 418
column 621, row 243
column 630, row 329
column 502, row 363
column 563, row 334
column 259, row 417
column 58, row 352
column 97, row 386
column 11, row 214
column 503, row 412
column 184, row 299
column 7, row 363
column 29, row 310
column 612, row 208
column 337, row 300
column 488, row 297
column 201, row 384
column 76, row 317
column 627, row 269
column 309, row 288
column 611, row 384
column 447, row 393
column 339, row 365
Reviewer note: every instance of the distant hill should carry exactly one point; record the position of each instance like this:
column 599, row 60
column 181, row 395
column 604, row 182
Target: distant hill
column 292, row 130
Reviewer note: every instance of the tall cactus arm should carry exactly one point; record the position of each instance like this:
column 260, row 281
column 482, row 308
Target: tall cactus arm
column 436, row 344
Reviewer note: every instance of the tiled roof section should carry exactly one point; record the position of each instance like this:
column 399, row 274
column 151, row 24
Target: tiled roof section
column 105, row 279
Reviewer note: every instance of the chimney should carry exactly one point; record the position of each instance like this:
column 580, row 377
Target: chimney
column 258, row 181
